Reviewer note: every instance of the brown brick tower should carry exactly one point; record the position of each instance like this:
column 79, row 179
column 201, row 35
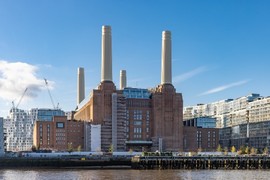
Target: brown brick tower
column 105, row 104
column 167, row 125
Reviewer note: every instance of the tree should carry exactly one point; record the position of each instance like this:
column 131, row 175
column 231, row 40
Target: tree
column 111, row 148
column 70, row 147
column 233, row 149
column 253, row 151
column 265, row 150
column 241, row 150
column 226, row 150
column 79, row 148
column 247, row 150
column 219, row 148
column 34, row 148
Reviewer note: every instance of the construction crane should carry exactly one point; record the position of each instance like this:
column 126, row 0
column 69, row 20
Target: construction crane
column 13, row 103
column 47, row 85
column 21, row 97
column 14, row 108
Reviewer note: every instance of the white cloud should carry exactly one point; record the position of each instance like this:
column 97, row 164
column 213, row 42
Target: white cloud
column 188, row 75
column 15, row 77
column 224, row 87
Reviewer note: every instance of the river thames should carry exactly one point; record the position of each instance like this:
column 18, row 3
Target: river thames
column 92, row 174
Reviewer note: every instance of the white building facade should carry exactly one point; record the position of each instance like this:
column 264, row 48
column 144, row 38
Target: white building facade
column 2, row 140
column 19, row 130
column 230, row 112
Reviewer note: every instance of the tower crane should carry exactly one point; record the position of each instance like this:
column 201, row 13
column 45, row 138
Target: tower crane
column 13, row 103
column 14, row 108
column 21, row 97
column 47, row 85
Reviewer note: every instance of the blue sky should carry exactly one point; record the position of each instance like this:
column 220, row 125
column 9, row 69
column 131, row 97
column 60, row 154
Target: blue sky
column 220, row 48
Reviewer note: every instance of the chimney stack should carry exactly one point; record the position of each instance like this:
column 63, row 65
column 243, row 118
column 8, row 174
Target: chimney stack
column 166, row 58
column 106, row 54
column 80, row 86
column 123, row 79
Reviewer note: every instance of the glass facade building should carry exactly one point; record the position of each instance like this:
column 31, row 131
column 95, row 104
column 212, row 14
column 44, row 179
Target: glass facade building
column 136, row 93
column 46, row 114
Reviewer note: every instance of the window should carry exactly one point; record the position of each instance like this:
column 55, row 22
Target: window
column 60, row 125
column 127, row 114
column 137, row 115
column 137, row 130
column 138, row 123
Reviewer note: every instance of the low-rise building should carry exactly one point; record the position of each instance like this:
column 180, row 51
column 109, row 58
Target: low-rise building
column 199, row 138
column 59, row 134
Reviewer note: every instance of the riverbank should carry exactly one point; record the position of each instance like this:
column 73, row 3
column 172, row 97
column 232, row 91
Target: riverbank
column 142, row 162
column 108, row 163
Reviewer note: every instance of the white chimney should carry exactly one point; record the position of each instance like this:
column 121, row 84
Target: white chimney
column 123, row 79
column 166, row 58
column 80, row 86
column 106, row 54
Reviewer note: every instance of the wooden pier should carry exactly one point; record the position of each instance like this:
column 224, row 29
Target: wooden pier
column 200, row 162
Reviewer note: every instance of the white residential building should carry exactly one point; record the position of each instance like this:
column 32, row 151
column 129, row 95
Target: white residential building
column 2, row 141
column 19, row 130
column 231, row 112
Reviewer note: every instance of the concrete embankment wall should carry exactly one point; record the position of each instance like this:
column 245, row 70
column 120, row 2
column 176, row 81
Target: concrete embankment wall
column 60, row 163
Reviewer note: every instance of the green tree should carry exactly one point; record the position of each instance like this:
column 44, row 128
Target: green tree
column 219, row 148
column 233, row 149
column 111, row 148
column 242, row 150
column 34, row 148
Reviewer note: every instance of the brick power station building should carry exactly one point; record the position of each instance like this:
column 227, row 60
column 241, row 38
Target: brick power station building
column 128, row 118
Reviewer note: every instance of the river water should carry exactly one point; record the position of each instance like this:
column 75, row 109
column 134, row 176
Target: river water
column 126, row 174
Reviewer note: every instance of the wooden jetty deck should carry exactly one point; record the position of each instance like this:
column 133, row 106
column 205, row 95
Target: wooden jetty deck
column 200, row 162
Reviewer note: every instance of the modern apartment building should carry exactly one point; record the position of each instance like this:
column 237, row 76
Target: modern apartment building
column 227, row 112
column 243, row 121
column 18, row 127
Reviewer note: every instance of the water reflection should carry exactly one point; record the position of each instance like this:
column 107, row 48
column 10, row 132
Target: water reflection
column 91, row 174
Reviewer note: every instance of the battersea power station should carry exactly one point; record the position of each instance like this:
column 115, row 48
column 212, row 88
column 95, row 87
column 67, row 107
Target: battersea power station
column 132, row 118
